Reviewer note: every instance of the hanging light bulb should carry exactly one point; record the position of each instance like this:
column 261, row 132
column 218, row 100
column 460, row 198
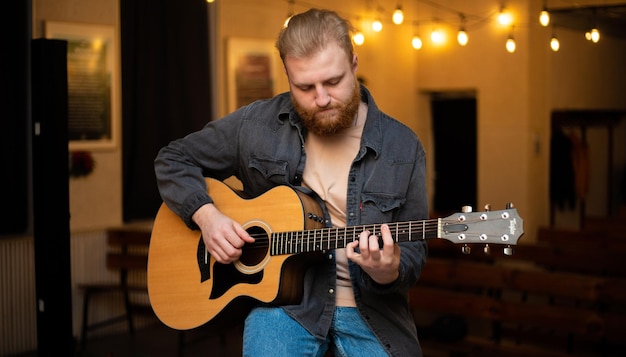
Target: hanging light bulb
column 544, row 17
column 504, row 17
column 510, row 44
column 210, row 1
column 595, row 35
column 377, row 26
column 461, row 37
column 416, row 42
column 554, row 43
column 437, row 36
column 358, row 38
column 398, row 16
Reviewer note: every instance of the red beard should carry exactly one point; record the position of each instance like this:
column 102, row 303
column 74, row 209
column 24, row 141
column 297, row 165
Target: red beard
column 326, row 124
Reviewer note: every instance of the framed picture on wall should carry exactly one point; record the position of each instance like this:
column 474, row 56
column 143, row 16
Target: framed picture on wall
column 251, row 68
column 93, row 83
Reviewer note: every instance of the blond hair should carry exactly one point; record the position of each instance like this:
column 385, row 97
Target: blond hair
column 310, row 31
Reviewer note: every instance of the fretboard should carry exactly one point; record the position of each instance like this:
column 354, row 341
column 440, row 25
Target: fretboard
column 335, row 238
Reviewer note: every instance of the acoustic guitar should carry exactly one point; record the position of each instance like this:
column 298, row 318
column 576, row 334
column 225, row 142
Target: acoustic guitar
column 188, row 288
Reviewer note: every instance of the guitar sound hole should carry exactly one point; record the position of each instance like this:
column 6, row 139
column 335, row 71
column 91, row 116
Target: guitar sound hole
column 253, row 254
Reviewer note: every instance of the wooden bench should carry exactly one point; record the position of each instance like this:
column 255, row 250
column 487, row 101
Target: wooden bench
column 127, row 252
column 545, row 300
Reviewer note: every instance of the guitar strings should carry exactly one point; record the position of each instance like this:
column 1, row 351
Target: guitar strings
column 306, row 238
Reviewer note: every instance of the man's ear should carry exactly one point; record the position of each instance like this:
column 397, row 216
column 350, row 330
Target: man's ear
column 355, row 62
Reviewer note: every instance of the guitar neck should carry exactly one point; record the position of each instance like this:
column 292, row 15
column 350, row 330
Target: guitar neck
column 336, row 238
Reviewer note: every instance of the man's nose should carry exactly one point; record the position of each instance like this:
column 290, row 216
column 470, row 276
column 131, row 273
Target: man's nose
column 322, row 98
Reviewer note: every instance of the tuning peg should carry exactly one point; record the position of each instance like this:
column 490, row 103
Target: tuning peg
column 508, row 250
column 509, row 205
column 466, row 249
column 487, row 249
column 466, row 209
column 488, row 207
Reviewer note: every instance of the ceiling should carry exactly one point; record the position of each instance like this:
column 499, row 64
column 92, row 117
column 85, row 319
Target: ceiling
column 609, row 19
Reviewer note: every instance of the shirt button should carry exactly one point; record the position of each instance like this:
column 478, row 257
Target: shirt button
column 331, row 291
column 330, row 257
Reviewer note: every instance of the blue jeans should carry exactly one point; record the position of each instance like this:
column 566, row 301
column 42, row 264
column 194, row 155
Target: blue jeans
column 270, row 332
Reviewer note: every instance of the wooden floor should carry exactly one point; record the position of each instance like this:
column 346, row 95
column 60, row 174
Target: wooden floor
column 160, row 341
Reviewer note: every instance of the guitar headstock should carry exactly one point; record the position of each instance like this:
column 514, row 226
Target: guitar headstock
column 502, row 227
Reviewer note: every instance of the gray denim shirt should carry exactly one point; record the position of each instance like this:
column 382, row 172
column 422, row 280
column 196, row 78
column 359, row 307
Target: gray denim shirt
column 262, row 144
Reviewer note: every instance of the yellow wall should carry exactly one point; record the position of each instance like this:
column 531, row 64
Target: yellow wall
column 95, row 200
column 515, row 92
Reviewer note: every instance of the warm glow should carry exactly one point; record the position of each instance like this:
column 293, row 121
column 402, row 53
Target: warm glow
column 595, row 35
column 438, row 37
column 544, row 18
column 398, row 16
column 358, row 39
column 554, row 44
column 462, row 38
column 505, row 18
column 416, row 42
column 210, row 1
column 377, row 26
column 510, row 45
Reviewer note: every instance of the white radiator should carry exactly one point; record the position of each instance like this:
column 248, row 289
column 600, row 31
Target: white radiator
column 18, row 314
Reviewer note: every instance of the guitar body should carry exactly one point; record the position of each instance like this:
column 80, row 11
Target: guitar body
column 188, row 288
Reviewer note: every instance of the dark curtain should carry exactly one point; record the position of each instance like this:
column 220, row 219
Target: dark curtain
column 165, row 89
column 14, row 91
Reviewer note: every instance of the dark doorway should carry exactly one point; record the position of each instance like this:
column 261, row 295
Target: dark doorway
column 455, row 156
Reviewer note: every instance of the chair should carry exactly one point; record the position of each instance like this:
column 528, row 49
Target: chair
column 127, row 251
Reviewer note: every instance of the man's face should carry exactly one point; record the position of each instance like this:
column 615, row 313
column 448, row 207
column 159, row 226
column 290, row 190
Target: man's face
column 324, row 89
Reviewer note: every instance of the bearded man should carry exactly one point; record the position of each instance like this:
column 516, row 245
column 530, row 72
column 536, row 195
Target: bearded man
column 325, row 135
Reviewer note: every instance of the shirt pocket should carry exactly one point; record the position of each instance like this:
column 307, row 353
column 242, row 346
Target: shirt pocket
column 380, row 207
column 263, row 170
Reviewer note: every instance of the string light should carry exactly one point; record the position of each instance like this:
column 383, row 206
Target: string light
column 398, row 16
column 544, row 17
column 377, row 26
column 358, row 38
column 504, row 17
column 554, row 43
column 416, row 42
column 595, row 35
column 510, row 43
column 437, row 36
column 461, row 37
